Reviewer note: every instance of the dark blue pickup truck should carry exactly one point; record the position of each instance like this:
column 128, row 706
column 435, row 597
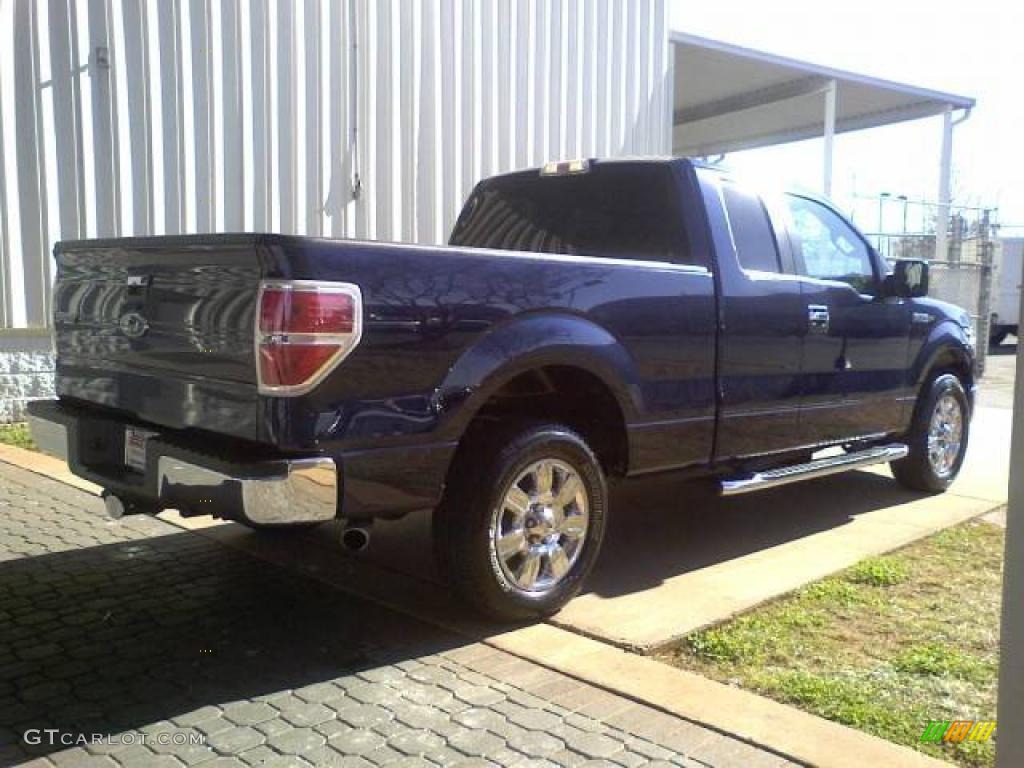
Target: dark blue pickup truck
column 588, row 321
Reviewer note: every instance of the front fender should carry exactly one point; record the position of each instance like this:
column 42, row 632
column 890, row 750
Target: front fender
column 947, row 345
column 527, row 343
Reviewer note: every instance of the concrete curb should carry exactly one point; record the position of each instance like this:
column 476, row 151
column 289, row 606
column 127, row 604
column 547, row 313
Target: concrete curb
column 759, row 721
column 47, row 466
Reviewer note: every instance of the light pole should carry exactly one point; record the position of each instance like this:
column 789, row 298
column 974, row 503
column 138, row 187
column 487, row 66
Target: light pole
column 882, row 197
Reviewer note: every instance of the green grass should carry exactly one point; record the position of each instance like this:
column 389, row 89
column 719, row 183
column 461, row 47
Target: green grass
column 879, row 572
column 884, row 646
column 16, row 435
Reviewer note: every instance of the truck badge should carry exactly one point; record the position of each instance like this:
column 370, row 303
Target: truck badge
column 133, row 325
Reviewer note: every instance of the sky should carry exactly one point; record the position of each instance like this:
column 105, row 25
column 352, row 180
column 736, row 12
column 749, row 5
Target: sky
column 972, row 49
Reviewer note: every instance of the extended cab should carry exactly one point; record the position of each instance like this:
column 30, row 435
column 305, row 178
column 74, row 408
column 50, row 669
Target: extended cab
column 589, row 320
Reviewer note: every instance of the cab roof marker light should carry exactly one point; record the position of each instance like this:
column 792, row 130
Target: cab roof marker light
column 565, row 167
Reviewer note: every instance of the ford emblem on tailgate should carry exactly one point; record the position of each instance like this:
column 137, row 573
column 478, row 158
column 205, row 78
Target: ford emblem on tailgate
column 133, row 325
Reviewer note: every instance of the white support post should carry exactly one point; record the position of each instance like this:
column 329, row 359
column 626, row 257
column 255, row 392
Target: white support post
column 1010, row 750
column 945, row 170
column 830, row 133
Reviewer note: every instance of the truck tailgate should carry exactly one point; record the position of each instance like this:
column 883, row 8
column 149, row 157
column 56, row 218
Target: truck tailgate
column 161, row 328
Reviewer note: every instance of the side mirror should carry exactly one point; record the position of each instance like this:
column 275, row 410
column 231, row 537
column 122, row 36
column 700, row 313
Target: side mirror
column 909, row 279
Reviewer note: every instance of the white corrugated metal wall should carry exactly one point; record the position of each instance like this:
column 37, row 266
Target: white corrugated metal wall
column 348, row 118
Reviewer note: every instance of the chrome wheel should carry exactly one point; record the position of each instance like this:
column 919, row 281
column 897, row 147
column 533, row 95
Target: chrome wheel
column 945, row 435
column 537, row 532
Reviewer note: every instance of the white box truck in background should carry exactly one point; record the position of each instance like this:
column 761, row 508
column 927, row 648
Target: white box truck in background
column 1006, row 277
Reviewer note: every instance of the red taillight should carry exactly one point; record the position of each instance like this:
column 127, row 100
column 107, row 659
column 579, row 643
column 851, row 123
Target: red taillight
column 291, row 311
column 290, row 365
column 304, row 329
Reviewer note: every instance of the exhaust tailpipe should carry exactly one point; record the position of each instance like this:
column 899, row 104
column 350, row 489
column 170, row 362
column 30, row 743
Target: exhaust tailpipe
column 115, row 506
column 356, row 535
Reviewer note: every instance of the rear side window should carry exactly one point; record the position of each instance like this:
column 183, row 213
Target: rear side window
column 751, row 230
column 615, row 210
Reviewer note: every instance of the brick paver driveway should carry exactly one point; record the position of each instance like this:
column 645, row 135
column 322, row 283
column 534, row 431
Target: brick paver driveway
column 141, row 632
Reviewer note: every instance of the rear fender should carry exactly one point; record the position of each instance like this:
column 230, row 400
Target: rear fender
column 529, row 343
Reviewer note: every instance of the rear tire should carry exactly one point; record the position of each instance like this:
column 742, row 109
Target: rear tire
column 522, row 520
column 937, row 438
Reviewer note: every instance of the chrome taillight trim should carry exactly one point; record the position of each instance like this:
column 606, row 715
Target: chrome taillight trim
column 346, row 341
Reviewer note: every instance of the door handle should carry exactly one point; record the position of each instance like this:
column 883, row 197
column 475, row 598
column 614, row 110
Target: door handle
column 817, row 318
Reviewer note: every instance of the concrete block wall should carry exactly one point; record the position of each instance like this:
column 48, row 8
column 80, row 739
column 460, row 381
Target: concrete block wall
column 26, row 370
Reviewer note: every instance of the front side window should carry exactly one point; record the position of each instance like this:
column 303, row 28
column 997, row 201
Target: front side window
column 827, row 247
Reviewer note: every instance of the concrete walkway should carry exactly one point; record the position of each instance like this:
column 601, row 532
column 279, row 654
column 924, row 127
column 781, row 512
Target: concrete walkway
column 697, row 721
column 667, row 568
column 179, row 651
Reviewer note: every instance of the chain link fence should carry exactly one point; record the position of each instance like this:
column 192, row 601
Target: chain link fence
column 905, row 229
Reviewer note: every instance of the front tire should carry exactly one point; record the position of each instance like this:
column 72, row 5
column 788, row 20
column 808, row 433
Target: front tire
column 937, row 438
column 522, row 521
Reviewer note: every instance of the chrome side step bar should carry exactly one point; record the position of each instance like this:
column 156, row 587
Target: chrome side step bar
column 830, row 465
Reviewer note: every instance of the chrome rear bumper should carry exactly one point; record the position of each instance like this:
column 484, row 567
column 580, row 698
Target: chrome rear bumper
column 277, row 492
column 306, row 491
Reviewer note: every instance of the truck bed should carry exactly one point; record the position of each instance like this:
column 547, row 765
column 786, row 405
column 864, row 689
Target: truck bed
column 193, row 366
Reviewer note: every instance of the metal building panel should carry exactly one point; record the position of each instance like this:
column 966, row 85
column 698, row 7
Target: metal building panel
column 233, row 145
column 102, row 149
column 589, row 77
column 521, row 84
column 407, row 108
column 448, row 147
column 541, row 83
column 260, row 115
column 32, row 212
column 339, row 139
column 603, row 67
column 136, row 70
column 6, row 275
column 170, row 98
column 348, row 117
column 471, row 87
column 573, row 95
column 66, row 117
column 426, row 166
column 284, row 79
column 202, row 122
column 312, row 170
column 555, row 96
column 362, row 105
column 381, row 137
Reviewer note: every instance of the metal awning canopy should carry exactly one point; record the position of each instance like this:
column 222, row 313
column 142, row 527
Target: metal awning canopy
column 729, row 98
